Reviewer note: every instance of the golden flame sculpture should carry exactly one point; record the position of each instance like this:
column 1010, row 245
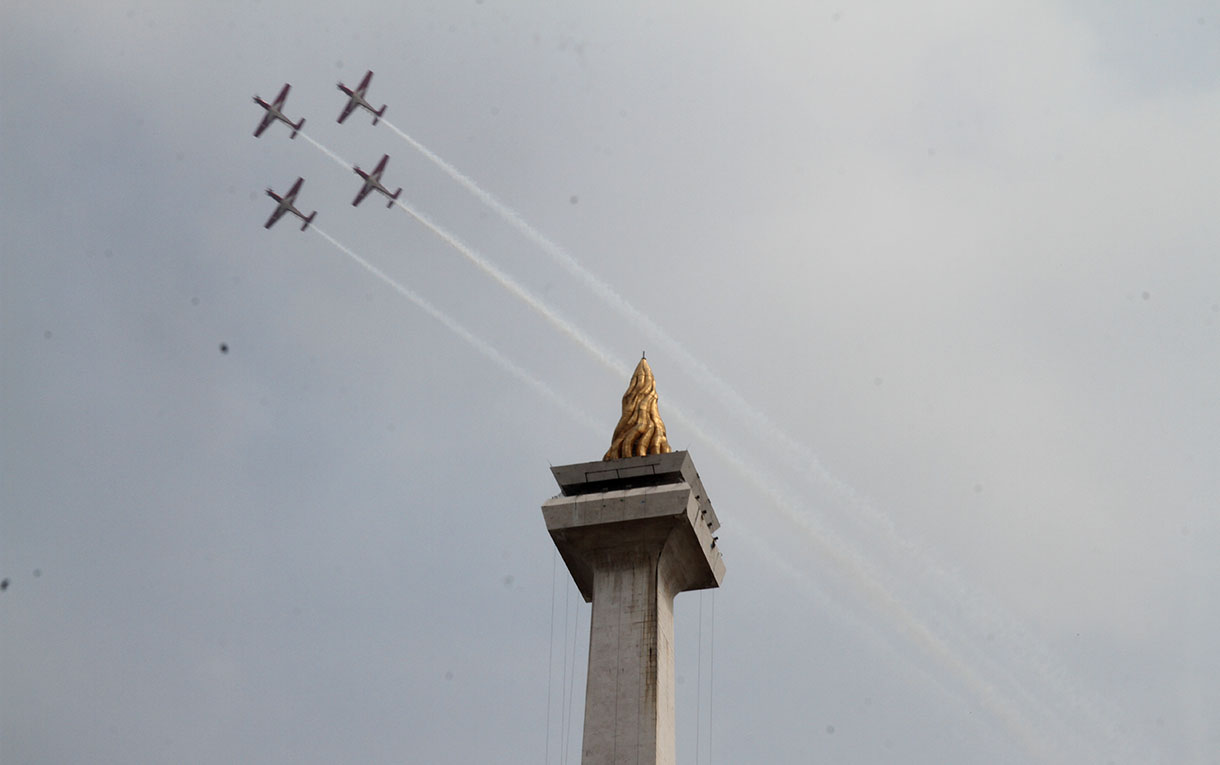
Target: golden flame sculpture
column 640, row 430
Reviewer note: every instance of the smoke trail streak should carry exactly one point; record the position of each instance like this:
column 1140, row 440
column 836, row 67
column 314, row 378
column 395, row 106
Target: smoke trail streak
column 693, row 366
column 794, row 453
column 725, row 393
column 507, row 282
column 852, row 564
column 696, row 368
column 828, row 544
column 479, row 345
column 342, row 162
column 833, row 548
column 721, row 389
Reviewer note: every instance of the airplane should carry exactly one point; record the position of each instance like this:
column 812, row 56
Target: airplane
column 373, row 181
column 356, row 98
column 274, row 113
column 285, row 205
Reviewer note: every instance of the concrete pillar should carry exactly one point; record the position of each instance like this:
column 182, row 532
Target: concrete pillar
column 634, row 533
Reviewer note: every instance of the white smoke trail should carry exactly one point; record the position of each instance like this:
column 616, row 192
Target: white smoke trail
column 724, row 392
column 478, row 344
column 987, row 616
column 693, row 366
column 342, row 162
column 503, row 279
column 524, row 295
column 854, row 566
column 829, row 546
column 848, row 560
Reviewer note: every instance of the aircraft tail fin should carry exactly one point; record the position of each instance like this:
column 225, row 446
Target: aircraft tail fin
column 379, row 114
column 393, row 198
column 300, row 124
column 309, row 220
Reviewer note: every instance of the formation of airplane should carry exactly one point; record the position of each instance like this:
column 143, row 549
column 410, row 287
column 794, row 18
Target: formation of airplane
column 356, row 98
column 372, row 182
column 285, row 204
column 274, row 112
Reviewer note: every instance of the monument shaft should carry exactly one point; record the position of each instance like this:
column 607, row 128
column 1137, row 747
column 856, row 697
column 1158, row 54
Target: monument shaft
column 634, row 533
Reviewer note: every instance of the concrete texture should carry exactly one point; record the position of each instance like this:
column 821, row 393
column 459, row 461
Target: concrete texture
column 634, row 533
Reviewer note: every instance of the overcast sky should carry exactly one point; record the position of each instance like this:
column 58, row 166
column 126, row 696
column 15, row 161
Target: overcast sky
column 931, row 292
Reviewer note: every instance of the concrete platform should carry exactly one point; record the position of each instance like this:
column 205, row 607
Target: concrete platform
column 634, row 533
column 635, row 472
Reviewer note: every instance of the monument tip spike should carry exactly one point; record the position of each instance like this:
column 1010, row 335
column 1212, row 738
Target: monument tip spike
column 640, row 431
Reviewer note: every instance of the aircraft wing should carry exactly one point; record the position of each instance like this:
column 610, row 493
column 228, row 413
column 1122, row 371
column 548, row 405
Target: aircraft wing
column 347, row 110
column 364, row 192
column 279, row 211
column 279, row 100
column 292, row 192
column 268, row 118
column 377, row 171
column 364, row 84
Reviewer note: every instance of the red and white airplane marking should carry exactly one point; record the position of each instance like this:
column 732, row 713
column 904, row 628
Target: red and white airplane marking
column 285, row 204
column 356, row 98
column 372, row 181
column 274, row 113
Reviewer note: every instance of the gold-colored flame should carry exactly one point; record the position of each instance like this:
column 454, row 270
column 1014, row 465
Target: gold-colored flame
column 640, row 430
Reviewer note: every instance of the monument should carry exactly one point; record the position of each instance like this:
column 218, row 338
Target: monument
column 634, row 529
